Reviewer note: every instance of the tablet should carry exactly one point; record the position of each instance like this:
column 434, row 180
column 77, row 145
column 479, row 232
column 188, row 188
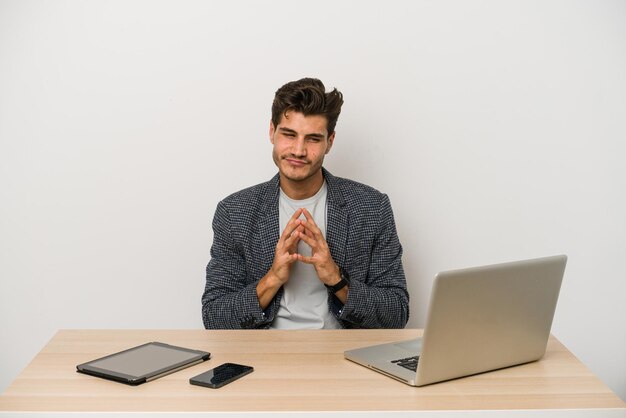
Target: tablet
column 143, row 363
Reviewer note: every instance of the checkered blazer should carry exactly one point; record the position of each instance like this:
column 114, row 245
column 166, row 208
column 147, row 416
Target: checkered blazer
column 362, row 238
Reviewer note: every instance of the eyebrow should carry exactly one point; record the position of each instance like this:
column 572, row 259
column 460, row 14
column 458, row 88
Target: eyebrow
column 291, row 131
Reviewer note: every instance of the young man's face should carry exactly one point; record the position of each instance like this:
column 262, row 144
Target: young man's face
column 300, row 144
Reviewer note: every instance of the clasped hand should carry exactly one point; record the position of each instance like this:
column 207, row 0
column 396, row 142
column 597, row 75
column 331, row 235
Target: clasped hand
column 287, row 249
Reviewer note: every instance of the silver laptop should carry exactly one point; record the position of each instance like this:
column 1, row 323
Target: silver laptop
column 479, row 319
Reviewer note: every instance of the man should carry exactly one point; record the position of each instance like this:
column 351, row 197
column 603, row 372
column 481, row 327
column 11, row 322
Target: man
column 306, row 249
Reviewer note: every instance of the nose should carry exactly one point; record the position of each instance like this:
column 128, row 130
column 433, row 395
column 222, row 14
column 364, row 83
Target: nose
column 299, row 147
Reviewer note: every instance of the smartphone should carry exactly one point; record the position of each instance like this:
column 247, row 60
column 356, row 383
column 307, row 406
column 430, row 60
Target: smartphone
column 221, row 375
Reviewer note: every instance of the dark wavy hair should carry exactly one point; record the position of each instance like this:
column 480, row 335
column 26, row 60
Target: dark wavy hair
column 307, row 96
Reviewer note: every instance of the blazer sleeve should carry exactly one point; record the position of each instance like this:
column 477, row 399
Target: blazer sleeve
column 381, row 300
column 229, row 300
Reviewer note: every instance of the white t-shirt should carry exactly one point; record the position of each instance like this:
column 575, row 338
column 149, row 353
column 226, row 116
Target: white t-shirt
column 304, row 303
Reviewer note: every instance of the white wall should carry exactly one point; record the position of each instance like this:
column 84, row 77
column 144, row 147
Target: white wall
column 497, row 129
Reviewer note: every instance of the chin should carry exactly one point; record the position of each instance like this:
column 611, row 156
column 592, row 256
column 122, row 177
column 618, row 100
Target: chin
column 296, row 175
column 293, row 177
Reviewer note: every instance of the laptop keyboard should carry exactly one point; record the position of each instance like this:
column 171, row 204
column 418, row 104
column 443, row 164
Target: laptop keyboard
column 408, row 363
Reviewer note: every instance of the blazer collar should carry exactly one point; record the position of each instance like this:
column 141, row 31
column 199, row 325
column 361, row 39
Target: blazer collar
column 335, row 194
column 337, row 220
column 270, row 203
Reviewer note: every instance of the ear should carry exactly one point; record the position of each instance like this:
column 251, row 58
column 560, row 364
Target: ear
column 331, row 141
column 272, row 130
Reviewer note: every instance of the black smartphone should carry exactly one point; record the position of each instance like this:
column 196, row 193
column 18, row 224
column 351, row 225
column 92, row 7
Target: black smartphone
column 221, row 375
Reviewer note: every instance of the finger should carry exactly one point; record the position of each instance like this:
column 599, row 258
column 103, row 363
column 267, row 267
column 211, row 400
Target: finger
column 291, row 241
column 294, row 220
column 305, row 259
column 310, row 222
column 309, row 233
column 308, row 217
column 308, row 239
column 297, row 214
column 317, row 242
column 307, row 214
column 287, row 259
column 312, row 230
column 291, row 226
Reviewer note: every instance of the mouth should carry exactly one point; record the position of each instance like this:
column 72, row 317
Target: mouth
column 295, row 162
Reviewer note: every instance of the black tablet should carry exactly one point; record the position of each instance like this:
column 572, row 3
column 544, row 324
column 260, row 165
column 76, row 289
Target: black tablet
column 143, row 363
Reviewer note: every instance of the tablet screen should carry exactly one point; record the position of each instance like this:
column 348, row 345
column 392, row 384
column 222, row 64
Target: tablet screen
column 143, row 360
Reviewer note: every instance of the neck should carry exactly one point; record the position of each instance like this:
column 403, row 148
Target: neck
column 302, row 189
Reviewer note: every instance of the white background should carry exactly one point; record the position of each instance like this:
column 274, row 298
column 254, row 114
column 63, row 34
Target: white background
column 497, row 128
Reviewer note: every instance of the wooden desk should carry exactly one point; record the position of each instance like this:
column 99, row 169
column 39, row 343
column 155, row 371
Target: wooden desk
column 294, row 371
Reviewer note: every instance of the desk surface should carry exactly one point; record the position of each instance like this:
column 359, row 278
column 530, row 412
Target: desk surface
column 294, row 371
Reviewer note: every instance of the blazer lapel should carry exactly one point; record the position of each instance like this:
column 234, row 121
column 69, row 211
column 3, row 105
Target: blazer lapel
column 268, row 226
column 337, row 221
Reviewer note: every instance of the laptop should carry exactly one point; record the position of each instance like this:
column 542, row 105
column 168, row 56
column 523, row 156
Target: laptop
column 479, row 319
